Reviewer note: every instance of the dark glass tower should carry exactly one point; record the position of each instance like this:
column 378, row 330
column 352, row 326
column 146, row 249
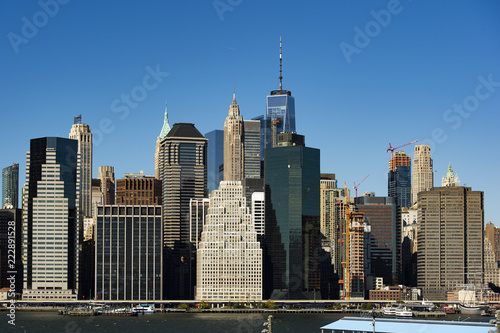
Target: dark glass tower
column 10, row 185
column 292, row 229
column 183, row 171
column 215, row 159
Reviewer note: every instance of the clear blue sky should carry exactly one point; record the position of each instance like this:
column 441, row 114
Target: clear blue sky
column 395, row 81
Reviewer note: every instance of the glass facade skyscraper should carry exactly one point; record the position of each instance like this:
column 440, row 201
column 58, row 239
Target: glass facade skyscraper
column 215, row 159
column 292, row 227
column 10, row 185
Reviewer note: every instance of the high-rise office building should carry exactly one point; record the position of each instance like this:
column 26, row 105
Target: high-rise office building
column 10, row 185
column 409, row 247
column 422, row 176
column 450, row 179
column 81, row 133
column 215, row 159
column 106, row 175
column 281, row 107
column 399, row 184
column 450, row 239
column 491, row 267
column 251, row 149
column 229, row 257
column 183, row 171
column 11, row 229
column 233, row 144
column 292, row 230
column 259, row 214
column 138, row 189
column 383, row 216
column 51, row 226
column 128, row 253
column 164, row 131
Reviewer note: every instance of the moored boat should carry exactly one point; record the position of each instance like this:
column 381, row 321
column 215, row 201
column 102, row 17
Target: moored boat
column 471, row 309
column 404, row 312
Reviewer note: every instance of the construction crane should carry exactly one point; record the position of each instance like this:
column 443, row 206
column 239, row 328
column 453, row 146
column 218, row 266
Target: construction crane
column 346, row 235
column 392, row 149
column 356, row 186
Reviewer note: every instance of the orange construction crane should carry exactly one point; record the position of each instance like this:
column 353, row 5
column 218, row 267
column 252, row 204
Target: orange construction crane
column 392, row 149
column 356, row 186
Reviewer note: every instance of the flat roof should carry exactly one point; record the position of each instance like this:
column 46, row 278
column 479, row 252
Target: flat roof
column 354, row 324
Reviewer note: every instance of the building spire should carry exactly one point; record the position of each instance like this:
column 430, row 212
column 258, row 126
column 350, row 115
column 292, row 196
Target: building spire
column 166, row 127
column 281, row 76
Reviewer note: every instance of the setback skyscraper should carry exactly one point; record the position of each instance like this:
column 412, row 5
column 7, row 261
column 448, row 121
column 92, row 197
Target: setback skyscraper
column 229, row 257
column 51, row 225
column 183, row 171
column 422, row 176
column 10, row 185
column 233, row 144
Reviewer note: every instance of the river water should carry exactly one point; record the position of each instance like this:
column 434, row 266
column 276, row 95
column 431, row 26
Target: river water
column 51, row 322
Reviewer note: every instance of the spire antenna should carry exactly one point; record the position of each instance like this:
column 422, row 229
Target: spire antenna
column 234, row 88
column 281, row 76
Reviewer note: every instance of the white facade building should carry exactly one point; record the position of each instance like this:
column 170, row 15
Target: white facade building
column 229, row 257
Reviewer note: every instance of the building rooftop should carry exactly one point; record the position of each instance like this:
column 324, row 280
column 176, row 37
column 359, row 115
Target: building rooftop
column 184, row 130
column 352, row 324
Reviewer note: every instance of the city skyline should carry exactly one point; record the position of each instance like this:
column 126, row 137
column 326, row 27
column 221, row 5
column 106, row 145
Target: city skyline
column 353, row 95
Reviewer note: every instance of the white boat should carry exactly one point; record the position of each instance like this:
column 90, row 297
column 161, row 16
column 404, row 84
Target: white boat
column 143, row 308
column 389, row 311
column 404, row 312
column 472, row 309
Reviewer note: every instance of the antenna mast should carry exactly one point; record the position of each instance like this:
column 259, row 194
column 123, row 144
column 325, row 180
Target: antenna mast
column 281, row 77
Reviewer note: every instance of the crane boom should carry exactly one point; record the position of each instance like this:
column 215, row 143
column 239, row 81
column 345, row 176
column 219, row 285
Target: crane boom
column 356, row 186
column 392, row 149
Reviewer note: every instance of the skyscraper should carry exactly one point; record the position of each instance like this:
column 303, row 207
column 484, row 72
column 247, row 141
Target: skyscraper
column 450, row 179
column 399, row 185
column 10, row 185
column 51, row 225
column 383, row 216
column 215, row 159
column 450, row 239
column 183, row 171
column 233, row 144
column 164, row 131
column 422, row 176
column 81, row 133
column 281, row 106
column 292, row 230
column 106, row 175
column 128, row 252
column 229, row 257
column 251, row 149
